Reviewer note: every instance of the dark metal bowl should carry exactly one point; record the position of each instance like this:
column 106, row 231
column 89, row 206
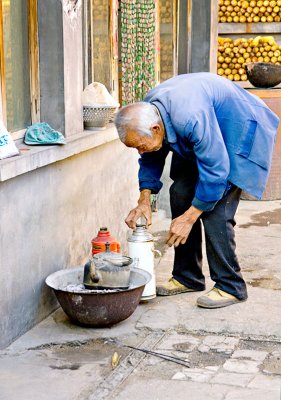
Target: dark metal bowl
column 263, row 75
column 97, row 308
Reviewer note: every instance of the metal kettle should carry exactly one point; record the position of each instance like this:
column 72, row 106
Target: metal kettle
column 107, row 270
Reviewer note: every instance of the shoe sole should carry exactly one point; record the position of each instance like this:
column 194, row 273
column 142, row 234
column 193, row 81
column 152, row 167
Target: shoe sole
column 219, row 304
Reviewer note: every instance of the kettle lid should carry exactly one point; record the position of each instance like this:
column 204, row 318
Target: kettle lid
column 112, row 257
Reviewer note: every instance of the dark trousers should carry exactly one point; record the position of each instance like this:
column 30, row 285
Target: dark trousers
column 219, row 235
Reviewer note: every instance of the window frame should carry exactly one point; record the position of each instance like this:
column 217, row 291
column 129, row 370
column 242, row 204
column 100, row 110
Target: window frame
column 88, row 45
column 33, row 69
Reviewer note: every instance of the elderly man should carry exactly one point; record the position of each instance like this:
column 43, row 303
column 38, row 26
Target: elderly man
column 222, row 140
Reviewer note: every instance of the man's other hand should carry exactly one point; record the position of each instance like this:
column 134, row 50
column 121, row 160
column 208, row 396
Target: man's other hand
column 181, row 226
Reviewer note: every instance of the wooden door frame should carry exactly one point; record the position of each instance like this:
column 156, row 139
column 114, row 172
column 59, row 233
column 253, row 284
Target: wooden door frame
column 34, row 60
column 214, row 36
column 2, row 70
column 113, row 31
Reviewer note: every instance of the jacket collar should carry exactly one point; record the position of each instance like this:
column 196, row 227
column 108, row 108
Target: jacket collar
column 170, row 134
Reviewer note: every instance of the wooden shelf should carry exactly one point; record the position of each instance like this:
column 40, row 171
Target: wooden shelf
column 270, row 93
column 249, row 27
column 248, row 85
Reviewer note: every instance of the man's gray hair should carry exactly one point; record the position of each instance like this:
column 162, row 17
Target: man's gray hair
column 139, row 117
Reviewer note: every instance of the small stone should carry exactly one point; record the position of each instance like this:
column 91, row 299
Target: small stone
column 250, row 354
column 241, row 366
column 220, row 344
column 179, row 343
column 195, row 375
column 203, row 348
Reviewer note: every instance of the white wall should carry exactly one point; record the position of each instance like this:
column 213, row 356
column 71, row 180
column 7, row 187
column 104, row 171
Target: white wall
column 48, row 218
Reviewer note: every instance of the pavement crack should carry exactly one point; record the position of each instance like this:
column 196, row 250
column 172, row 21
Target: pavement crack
column 257, row 338
column 51, row 345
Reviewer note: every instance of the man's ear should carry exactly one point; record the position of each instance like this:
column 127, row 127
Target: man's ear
column 156, row 129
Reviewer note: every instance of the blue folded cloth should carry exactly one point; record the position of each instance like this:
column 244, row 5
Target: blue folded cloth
column 42, row 133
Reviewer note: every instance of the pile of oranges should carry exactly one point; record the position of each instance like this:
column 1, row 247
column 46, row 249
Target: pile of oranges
column 249, row 11
column 233, row 54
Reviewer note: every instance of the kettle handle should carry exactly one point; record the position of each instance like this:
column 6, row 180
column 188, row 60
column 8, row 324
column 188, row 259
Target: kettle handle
column 156, row 252
column 93, row 273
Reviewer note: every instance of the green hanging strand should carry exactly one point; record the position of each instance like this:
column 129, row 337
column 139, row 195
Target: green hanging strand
column 137, row 48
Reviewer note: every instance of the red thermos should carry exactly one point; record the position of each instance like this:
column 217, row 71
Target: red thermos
column 103, row 237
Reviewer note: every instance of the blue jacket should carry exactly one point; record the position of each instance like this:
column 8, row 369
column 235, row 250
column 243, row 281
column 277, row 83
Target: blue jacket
column 230, row 131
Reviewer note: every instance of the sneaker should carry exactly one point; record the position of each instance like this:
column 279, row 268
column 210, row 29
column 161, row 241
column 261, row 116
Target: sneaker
column 172, row 287
column 217, row 298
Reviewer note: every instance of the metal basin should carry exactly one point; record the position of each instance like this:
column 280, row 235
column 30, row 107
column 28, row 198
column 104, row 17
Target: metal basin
column 97, row 308
column 263, row 75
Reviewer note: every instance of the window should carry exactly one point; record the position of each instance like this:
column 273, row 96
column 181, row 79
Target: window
column 19, row 64
column 101, row 46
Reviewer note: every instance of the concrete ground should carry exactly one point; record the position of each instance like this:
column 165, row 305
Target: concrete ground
column 232, row 353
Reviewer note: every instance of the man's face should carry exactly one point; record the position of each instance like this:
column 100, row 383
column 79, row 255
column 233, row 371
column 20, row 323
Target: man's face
column 144, row 144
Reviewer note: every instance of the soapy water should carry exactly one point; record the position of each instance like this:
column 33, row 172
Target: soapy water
column 80, row 288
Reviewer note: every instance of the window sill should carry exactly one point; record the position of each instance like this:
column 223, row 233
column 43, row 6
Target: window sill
column 33, row 157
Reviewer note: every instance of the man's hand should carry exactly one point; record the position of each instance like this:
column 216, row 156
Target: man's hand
column 143, row 208
column 181, row 226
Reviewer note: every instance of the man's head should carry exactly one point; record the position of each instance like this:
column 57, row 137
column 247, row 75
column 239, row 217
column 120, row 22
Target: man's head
column 140, row 126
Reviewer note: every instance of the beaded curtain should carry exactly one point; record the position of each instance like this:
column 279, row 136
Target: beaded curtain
column 137, row 48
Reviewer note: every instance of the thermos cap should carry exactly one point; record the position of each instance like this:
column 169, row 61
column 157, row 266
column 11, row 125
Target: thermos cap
column 140, row 234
